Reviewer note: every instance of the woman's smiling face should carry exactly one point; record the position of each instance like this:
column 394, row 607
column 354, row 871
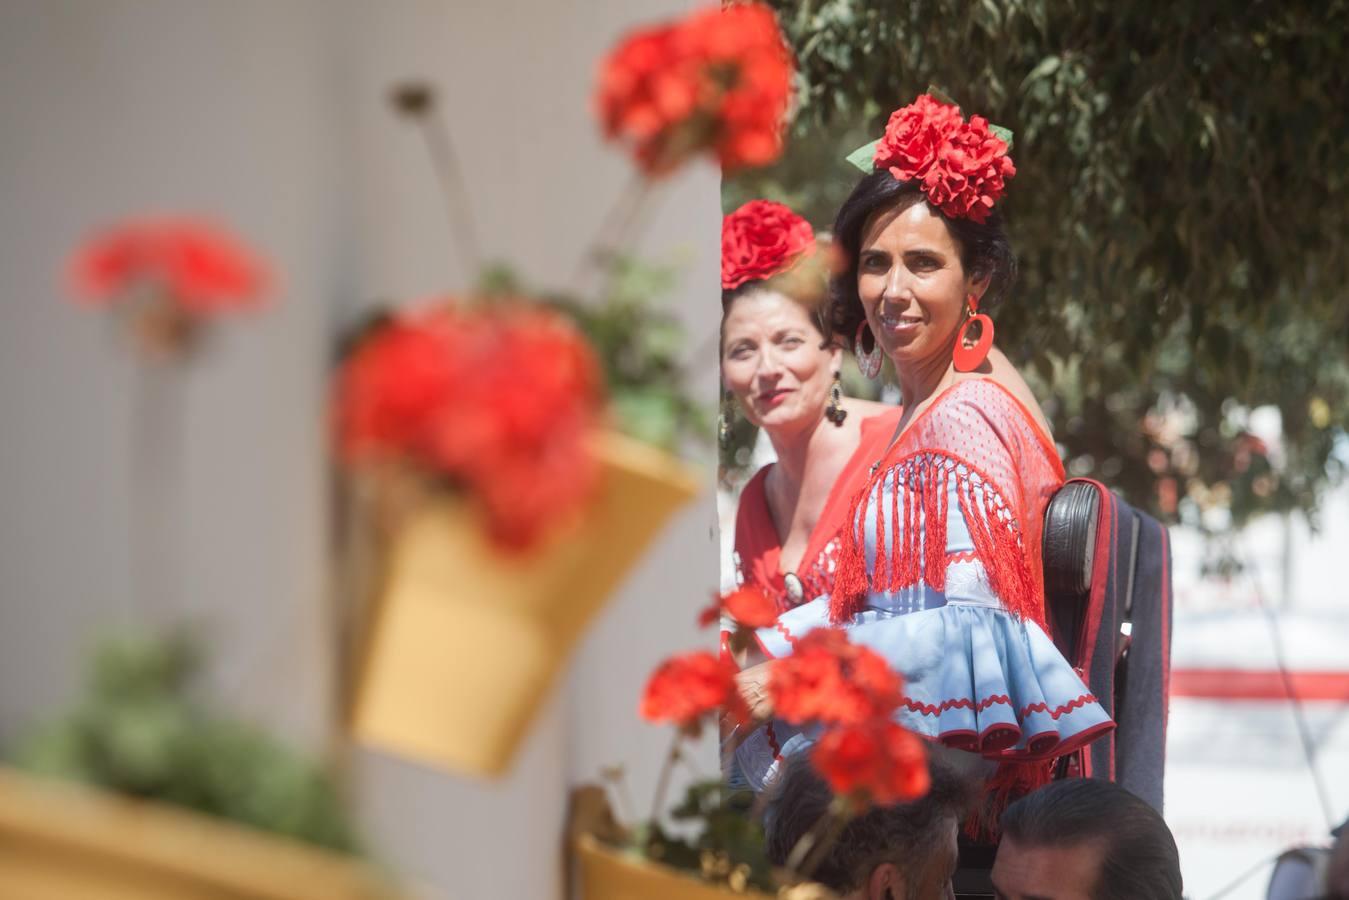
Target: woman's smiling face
column 912, row 285
column 773, row 362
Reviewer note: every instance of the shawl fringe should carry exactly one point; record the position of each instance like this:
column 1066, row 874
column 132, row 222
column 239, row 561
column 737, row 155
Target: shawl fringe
column 915, row 550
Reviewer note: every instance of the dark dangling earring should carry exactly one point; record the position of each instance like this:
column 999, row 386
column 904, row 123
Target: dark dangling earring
column 970, row 358
column 868, row 362
column 724, row 417
column 834, row 411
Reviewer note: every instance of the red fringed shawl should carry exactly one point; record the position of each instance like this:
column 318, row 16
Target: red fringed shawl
column 977, row 435
column 758, row 546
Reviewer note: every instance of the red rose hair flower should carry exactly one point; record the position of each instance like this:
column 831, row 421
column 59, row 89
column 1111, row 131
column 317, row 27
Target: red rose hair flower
column 962, row 166
column 199, row 267
column 829, row 679
column 762, row 239
column 718, row 80
column 685, row 688
column 500, row 402
column 879, row 761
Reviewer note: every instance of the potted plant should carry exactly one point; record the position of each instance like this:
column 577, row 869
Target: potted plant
column 140, row 791
column 842, row 699
column 511, row 494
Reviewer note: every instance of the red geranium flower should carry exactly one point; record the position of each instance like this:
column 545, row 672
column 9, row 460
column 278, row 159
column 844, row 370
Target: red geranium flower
column 393, row 384
column 685, row 688
column 878, row 761
column 197, row 266
column 748, row 606
column 717, row 80
column 961, row 165
column 762, row 239
column 500, row 402
column 829, row 679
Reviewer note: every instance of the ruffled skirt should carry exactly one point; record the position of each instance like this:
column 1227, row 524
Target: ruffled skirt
column 976, row 678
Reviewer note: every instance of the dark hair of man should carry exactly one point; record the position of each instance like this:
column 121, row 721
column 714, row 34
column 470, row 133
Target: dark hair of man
column 984, row 248
column 1139, row 860
column 906, row 831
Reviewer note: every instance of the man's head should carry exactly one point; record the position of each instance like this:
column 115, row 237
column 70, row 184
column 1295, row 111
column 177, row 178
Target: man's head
column 1084, row 839
column 902, row 852
column 1337, row 877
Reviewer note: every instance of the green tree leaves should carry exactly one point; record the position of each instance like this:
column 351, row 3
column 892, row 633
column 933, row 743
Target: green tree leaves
column 1179, row 211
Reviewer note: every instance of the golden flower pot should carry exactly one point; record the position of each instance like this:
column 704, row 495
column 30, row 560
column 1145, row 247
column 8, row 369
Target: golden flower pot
column 604, row 873
column 467, row 640
column 69, row 842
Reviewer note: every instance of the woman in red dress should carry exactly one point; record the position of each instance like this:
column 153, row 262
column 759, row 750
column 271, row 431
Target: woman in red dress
column 783, row 375
column 939, row 565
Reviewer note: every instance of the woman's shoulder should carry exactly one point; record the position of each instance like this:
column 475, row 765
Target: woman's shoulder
column 866, row 410
column 754, row 528
column 985, row 410
column 755, row 487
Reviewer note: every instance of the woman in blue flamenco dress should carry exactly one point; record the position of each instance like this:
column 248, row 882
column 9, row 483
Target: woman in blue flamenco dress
column 940, row 565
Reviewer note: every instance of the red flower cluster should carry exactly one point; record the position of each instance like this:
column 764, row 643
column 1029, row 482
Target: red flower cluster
column 749, row 607
column 200, row 268
column 832, row 680
column 685, row 688
column 863, row 753
column 962, row 165
column 880, row 758
column 762, row 239
column 499, row 401
column 717, row 80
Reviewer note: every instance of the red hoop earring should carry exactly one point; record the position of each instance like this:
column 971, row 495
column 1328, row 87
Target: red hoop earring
column 968, row 359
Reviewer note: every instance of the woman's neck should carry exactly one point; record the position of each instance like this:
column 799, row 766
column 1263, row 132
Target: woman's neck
column 918, row 383
column 794, row 453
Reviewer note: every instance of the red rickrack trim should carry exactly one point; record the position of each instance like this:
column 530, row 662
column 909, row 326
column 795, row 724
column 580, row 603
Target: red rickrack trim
column 1058, row 711
column 782, row 629
column 962, row 556
column 773, row 741
column 929, row 709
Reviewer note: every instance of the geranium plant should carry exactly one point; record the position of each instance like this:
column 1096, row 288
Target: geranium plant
column 841, row 694
column 469, row 392
column 169, row 278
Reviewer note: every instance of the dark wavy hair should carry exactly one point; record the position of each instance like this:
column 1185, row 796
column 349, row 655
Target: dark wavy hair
column 904, row 834
column 1139, row 860
column 817, row 312
column 984, row 248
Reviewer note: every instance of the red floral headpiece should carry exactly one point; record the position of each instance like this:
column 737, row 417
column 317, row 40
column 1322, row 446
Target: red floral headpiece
column 961, row 165
column 762, row 239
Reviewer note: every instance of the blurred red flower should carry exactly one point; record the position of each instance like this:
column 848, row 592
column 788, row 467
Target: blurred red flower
column 718, row 80
column 880, row 760
column 829, row 679
column 197, row 266
column 500, row 401
column 685, row 688
column 750, row 607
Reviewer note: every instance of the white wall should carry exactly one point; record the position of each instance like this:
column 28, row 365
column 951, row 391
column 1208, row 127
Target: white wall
column 272, row 116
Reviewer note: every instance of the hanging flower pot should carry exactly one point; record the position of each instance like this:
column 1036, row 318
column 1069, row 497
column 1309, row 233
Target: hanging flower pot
column 606, row 873
column 469, row 636
column 59, row 841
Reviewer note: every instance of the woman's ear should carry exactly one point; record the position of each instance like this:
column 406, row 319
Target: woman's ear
column 835, row 356
column 885, row 883
column 978, row 286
